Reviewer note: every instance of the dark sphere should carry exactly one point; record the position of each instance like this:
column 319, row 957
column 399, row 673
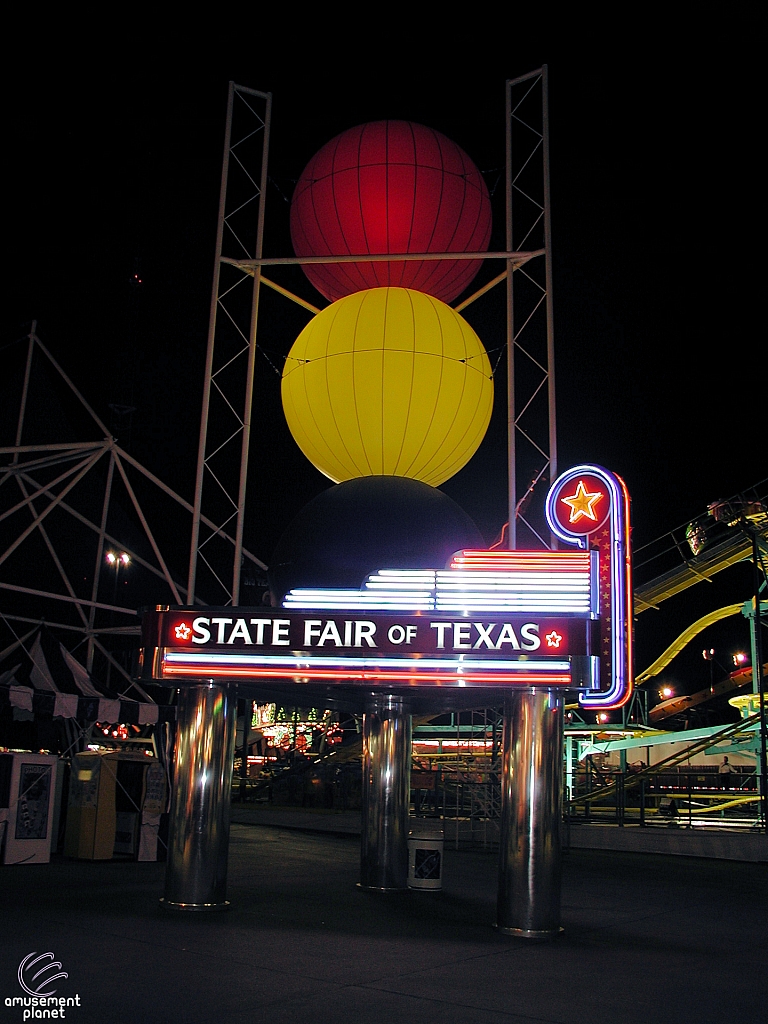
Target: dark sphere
column 367, row 524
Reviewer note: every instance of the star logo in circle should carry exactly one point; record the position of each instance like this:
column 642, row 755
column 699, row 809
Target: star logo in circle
column 582, row 503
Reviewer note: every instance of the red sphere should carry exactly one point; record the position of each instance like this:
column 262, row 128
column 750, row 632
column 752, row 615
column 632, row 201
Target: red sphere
column 391, row 187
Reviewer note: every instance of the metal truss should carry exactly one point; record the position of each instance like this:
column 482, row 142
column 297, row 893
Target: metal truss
column 64, row 505
column 531, row 421
column 216, row 554
column 225, row 428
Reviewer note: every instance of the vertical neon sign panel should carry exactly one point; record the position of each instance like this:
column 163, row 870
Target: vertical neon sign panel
column 589, row 507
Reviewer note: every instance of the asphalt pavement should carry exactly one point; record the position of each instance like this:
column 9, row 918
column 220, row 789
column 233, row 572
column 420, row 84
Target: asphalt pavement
column 647, row 939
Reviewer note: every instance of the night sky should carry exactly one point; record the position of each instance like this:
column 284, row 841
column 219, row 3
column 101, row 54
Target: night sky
column 115, row 171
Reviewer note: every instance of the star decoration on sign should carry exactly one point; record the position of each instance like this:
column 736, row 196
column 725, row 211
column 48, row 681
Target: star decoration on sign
column 554, row 639
column 582, row 503
column 183, row 632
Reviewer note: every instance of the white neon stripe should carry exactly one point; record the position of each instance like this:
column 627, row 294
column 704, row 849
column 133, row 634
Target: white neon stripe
column 521, row 605
column 506, row 581
column 528, row 597
column 296, row 663
column 397, row 585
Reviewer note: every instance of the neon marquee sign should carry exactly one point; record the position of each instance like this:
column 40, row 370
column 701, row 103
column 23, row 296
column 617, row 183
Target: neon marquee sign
column 355, row 648
column 491, row 618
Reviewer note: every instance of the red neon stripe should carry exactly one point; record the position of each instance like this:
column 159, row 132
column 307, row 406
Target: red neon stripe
column 524, row 560
column 527, row 558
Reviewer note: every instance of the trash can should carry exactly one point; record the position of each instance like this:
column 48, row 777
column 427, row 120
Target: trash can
column 426, row 841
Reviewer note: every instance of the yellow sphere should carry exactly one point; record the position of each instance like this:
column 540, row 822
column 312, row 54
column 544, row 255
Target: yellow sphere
column 388, row 381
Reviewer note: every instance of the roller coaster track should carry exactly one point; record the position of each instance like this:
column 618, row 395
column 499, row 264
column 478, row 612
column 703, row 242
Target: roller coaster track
column 703, row 567
column 737, row 521
column 685, row 637
column 718, row 554
column 673, row 706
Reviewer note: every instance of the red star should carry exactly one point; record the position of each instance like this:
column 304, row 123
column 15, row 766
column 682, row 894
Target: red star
column 183, row 631
column 553, row 639
column 582, row 503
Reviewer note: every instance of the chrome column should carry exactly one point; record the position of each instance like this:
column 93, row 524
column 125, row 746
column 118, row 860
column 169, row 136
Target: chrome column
column 198, row 843
column 531, row 809
column 386, row 794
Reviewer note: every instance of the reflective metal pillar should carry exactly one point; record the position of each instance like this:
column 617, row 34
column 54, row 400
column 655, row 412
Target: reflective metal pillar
column 386, row 794
column 198, row 843
column 531, row 809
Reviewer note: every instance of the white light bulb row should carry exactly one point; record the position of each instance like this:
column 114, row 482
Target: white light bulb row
column 457, row 590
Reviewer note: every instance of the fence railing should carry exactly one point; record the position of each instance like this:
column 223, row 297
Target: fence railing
column 467, row 796
column 683, row 798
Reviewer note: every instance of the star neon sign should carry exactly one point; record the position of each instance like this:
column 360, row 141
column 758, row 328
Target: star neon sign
column 183, row 631
column 602, row 526
column 582, row 503
column 554, row 639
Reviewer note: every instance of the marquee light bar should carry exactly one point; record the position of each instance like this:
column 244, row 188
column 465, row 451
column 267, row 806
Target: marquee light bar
column 521, row 561
column 551, row 582
column 350, row 600
column 448, row 671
